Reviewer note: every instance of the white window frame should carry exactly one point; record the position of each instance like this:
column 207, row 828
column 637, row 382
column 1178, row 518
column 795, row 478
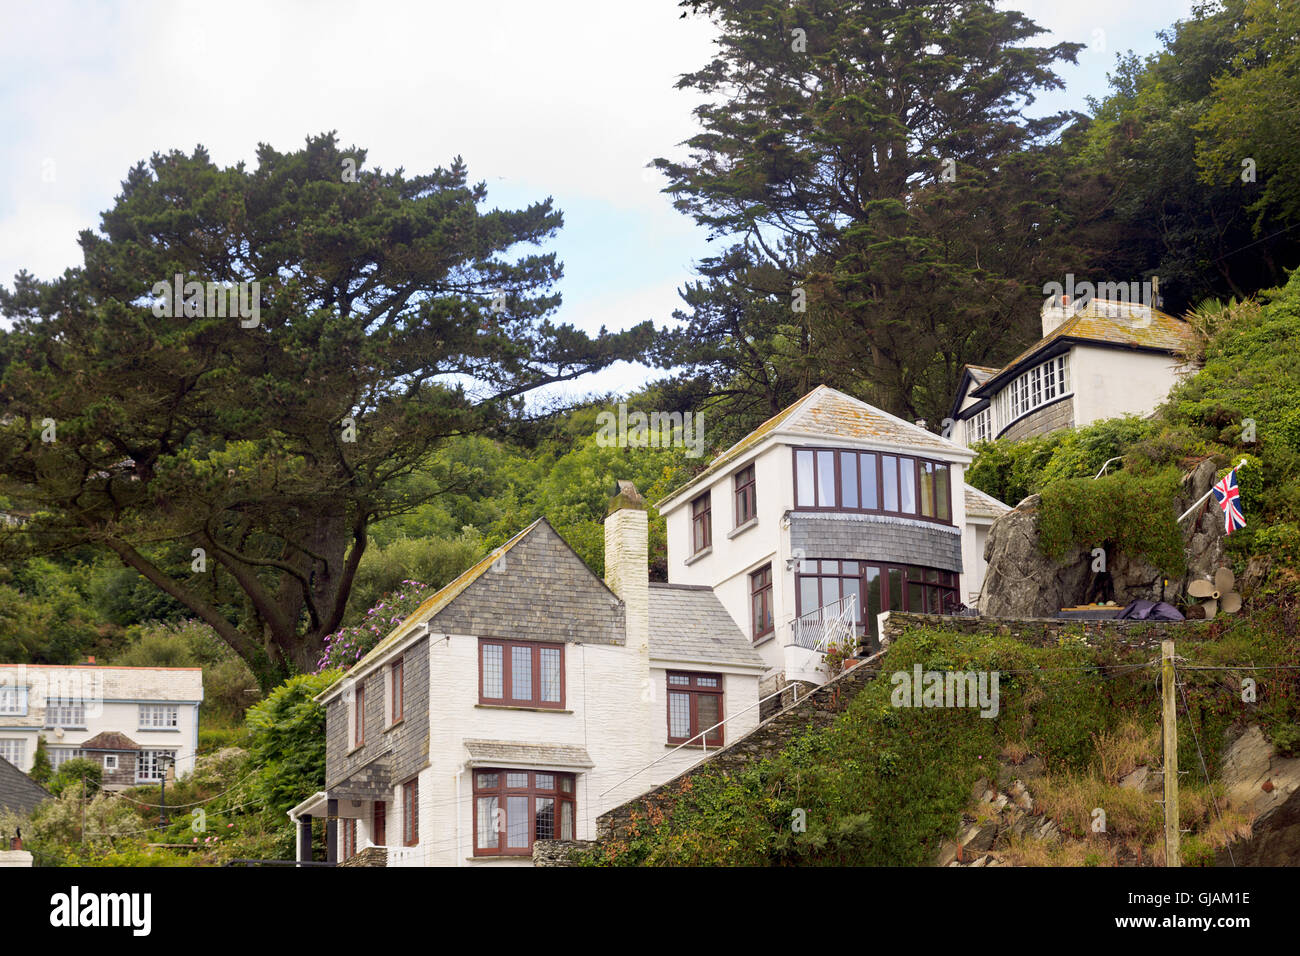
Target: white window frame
column 160, row 716
column 13, row 701
column 147, row 769
column 67, row 713
column 1041, row 385
column 61, row 755
column 14, row 747
column 113, row 765
column 981, row 426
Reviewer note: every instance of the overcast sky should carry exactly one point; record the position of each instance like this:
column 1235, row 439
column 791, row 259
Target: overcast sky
column 561, row 98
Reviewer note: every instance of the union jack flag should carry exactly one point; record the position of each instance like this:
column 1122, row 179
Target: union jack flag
column 1229, row 498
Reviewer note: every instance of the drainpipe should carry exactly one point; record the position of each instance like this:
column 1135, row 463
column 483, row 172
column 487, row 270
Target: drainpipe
column 460, row 858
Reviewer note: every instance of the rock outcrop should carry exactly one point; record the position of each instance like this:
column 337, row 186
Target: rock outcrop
column 1267, row 786
column 1022, row 581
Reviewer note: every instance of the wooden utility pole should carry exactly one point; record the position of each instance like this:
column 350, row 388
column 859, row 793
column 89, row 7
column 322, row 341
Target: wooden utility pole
column 1170, row 724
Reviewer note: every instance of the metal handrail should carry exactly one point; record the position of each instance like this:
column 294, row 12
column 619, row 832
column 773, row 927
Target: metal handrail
column 1105, row 466
column 702, row 733
column 839, row 618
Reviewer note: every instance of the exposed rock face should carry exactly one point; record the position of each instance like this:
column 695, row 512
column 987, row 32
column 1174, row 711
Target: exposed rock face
column 1022, row 581
column 1267, row 785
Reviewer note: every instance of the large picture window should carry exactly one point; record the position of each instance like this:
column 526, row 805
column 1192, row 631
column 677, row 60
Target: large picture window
column 521, row 673
column 514, row 808
column 879, row 586
column 843, row 480
column 694, row 706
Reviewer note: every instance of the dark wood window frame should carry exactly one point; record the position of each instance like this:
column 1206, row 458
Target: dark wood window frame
column 701, row 523
column 695, row 689
column 507, row 676
column 531, row 791
column 746, row 495
column 760, row 603
column 379, row 824
column 411, row 812
column 918, row 464
column 936, row 586
column 397, row 676
column 359, row 715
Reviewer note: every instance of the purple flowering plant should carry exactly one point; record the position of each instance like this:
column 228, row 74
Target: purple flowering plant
column 349, row 644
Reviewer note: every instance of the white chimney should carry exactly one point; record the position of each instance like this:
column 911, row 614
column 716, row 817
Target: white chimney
column 1055, row 311
column 627, row 565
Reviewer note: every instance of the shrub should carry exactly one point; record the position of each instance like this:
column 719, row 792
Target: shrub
column 71, row 773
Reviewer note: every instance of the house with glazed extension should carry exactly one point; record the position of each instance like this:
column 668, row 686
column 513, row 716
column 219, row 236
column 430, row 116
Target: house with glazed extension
column 827, row 515
column 526, row 698
column 1097, row 359
column 138, row 723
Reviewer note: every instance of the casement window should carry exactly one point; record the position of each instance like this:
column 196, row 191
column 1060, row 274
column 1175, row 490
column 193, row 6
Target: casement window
column 1037, row 386
column 760, row 602
column 694, row 706
column 872, row 482
column 110, row 761
column 514, row 808
column 152, row 765
column 521, row 674
column 979, row 427
column 701, row 524
column 14, row 749
column 746, row 500
column 359, row 715
column 159, row 716
column 379, row 824
column 397, row 681
column 13, row 701
column 411, row 812
column 349, row 848
column 61, row 755
column 65, row 712
column 879, row 587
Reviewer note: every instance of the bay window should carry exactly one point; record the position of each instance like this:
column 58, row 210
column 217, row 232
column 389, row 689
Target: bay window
column 515, row 808
column 872, row 482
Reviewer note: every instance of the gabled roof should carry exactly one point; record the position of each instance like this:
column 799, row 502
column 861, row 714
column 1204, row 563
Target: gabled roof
column 972, row 376
column 827, row 413
column 19, row 792
column 689, row 623
column 1103, row 323
column 981, row 505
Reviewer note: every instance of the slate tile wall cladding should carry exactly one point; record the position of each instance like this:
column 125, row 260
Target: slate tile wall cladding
column 503, row 603
column 388, row 757
column 868, row 538
column 1054, row 417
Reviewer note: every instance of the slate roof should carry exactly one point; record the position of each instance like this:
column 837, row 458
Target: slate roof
column 825, row 413
column 489, row 753
column 1100, row 322
column 981, row 505
column 19, row 792
column 688, row 623
column 110, row 740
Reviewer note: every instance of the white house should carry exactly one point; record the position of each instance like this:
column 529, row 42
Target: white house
column 526, row 698
column 1098, row 359
column 826, row 515
column 136, row 722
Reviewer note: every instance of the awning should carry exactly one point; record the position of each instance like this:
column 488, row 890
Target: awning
column 513, row 753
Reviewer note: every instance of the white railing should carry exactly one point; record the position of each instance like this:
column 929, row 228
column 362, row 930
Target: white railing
column 834, row 623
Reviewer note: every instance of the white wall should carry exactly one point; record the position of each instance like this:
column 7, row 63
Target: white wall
column 1109, row 383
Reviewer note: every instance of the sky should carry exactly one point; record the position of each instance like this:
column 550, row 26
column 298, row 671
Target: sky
column 567, row 98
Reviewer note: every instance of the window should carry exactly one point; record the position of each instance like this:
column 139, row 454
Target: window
column 110, row 761
column 14, row 749
column 879, row 586
column 1039, row 385
column 694, row 706
column 843, row 480
column 980, row 427
column 760, row 599
column 513, row 808
column 411, row 813
column 379, row 827
column 701, row 524
column 13, row 701
column 152, row 765
column 359, row 715
column 521, row 673
column 159, row 716
column 398, row 680
column 65, row 712
column 746, row 501
column 61, row 755
column 349, row 847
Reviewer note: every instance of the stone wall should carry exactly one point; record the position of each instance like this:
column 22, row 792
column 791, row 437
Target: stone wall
column 1050, row 418
column 818, row 709
column 370, row 856
column 556, row 852
column 1048, row 631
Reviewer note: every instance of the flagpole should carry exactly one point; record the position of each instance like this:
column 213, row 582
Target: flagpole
column 1201, row 500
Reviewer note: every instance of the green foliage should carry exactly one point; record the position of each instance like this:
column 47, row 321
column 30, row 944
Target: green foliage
column 72, row 773
column 348, row 645
column 433, row 561
column 1132, row 514
column 286, row 746
column 42, row 769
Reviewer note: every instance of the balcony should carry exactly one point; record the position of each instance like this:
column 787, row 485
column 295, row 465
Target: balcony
column 815, row 633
